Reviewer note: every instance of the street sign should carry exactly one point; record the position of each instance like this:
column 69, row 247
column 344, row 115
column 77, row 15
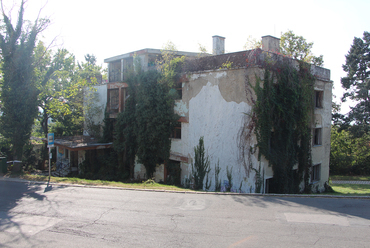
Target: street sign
column 50, row 139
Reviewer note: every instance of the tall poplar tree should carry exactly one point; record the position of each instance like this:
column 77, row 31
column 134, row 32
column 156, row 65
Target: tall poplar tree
column 19, row 91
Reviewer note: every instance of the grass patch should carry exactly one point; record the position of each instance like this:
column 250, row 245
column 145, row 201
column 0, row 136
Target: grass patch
column 351, row 178
column 351, row 189
column 76, row 180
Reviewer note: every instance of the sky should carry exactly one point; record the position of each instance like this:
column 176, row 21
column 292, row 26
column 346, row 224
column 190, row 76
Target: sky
column 113, row 27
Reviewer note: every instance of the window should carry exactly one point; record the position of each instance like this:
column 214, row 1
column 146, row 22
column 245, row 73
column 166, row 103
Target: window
column 178, row 88
column 315, row 172
column 317, row 137
column 113, row 98
column 318, row 98
column 176, row 133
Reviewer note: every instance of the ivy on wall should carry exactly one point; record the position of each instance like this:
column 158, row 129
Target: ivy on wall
column 281, row 117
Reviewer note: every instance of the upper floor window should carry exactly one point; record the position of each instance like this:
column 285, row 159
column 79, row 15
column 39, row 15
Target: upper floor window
column 317, row 136
column 176, row 133
column 319, row 98
column 113, row 100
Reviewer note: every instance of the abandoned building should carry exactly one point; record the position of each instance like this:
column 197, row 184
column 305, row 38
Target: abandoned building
column 214, row 101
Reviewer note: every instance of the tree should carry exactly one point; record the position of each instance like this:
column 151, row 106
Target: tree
column 19, row 91
column 357, row 85
column 51, row 72
column 201, row 166
column 298, row 48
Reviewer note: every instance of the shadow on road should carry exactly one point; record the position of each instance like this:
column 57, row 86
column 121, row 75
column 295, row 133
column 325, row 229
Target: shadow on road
column 12, row 194
column 342, row 206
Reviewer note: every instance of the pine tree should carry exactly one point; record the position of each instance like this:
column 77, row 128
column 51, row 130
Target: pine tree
column 357, row 85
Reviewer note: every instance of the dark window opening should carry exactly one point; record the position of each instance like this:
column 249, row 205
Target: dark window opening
column 176, row 133
column 317, row 137
column 173, row 176
column 315, row 172
column 319, row 98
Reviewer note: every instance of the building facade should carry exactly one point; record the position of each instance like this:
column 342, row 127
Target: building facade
column 216, row 99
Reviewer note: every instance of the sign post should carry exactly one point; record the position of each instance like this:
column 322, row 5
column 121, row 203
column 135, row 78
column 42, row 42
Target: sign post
column 50, row 145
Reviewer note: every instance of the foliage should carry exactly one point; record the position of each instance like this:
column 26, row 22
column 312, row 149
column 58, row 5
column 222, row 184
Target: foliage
column 67, row 109
column 229, row 178
column 170, row 65
column 202, row 51
column 298, row 48
column 200, row 167
column 155, row 120
column 19, row 92
column 252, row 43
column 349, row 155
column 217, row 174
column 50, row 73
column 356, row 84
column 282, row 114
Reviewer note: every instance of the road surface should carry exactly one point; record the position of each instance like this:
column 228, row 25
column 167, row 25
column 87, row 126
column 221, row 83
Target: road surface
column 37, row 215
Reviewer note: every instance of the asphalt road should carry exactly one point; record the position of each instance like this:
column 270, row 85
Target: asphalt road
column 33, row 215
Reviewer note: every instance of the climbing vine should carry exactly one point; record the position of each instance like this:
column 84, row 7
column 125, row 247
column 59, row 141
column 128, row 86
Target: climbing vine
column 281, row 116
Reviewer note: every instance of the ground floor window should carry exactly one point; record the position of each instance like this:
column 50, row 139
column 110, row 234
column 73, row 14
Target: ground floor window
column 315, row 173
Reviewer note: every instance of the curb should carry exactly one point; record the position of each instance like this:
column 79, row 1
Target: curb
column 186, row 192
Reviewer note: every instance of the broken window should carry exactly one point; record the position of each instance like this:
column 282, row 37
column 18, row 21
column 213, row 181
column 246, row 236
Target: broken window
column 176, row 133
column 319, row 98
column 315, row 172
column 317, row 137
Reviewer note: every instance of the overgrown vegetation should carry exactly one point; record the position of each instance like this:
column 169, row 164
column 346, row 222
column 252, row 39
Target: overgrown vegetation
column 282, row 117
column 144, row 128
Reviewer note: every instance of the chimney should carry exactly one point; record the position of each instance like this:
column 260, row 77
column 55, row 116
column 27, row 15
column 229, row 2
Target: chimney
column 218, row 45
column 270, row 44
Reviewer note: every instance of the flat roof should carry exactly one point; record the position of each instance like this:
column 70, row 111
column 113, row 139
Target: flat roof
column 146, row 51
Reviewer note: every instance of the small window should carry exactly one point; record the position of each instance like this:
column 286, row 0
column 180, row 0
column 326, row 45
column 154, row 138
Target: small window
column 178, row 88
column 315, row 172
column 317, row 137
column 318, row 98
column 176, row 133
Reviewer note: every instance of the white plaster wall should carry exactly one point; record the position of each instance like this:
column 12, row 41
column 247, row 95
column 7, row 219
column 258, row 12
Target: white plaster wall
column 219, row 122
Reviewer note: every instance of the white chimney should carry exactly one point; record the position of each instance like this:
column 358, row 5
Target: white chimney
column 271, row 44
column 218, row 45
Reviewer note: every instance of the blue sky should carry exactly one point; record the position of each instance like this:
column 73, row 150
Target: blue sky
column 111, row 27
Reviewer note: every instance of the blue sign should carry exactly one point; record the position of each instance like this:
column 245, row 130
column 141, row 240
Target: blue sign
column 51, row 139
